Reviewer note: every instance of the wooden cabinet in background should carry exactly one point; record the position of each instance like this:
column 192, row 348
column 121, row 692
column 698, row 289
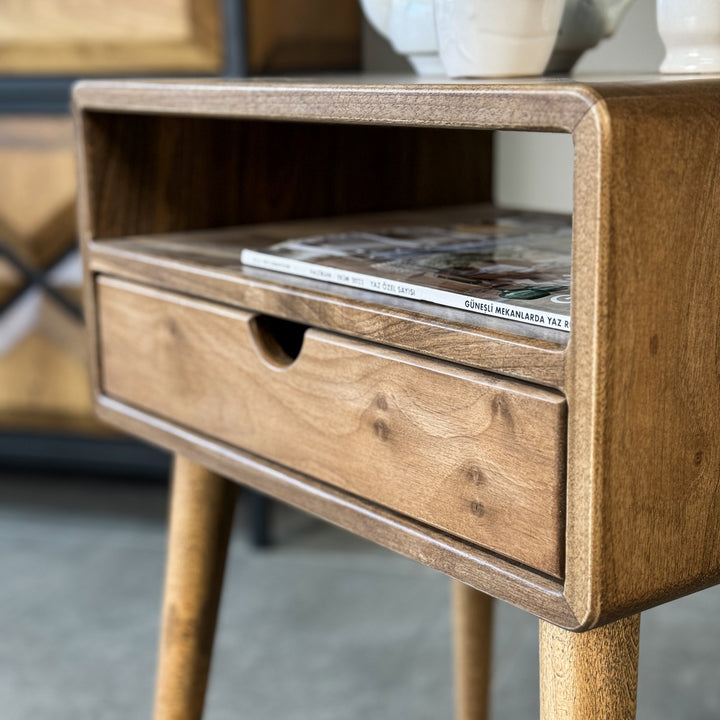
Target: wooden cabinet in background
column 97, row 37
column 43, row 45
column 87, row 37
column 43, row 377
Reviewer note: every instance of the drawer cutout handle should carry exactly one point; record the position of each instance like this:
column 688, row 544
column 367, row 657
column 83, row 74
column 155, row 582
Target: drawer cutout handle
column 278, row 341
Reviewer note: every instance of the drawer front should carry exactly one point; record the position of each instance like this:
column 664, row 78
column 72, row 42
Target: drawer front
column 477, row 456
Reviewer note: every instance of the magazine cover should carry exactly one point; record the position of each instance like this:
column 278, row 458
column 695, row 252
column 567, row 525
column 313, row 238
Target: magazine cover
column 506, row 267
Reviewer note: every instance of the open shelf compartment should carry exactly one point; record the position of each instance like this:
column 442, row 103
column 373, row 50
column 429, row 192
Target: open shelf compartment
column 208, row 264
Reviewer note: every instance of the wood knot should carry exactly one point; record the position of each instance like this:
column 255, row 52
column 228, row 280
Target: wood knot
column 654, row 344
column 698, row 458
column 474, row 475
column 173, row 328
column 477, row 508
column 382, row 431
column 500, row 409
column 381, row 402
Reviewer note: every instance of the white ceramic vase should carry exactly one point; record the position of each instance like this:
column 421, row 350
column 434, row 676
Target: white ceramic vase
column 409, row 25
column 690, row 30
column 496, row 38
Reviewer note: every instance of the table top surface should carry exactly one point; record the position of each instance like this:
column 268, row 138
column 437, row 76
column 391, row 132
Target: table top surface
column 551, row 103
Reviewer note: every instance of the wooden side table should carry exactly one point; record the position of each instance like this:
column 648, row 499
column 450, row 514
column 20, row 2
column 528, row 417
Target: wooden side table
column 573, row 475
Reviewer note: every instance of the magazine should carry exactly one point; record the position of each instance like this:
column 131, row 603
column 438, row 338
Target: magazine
column 514, row 267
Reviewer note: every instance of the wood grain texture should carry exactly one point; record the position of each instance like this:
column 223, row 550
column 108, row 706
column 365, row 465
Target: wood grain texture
column 644, row 462
column 201, row 513
column 236, row 173
column 479, row 457
column 301, row 35
column 464, row 561
column 99, row 36
column 592, row 675
column 543, row 103
column 472, row 613
column 556, row 104
column 84, row 172
column 206, row 265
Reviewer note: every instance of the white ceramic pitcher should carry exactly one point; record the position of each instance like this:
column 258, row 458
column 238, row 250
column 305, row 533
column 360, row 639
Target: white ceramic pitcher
column 486, row 38
column 496, row 38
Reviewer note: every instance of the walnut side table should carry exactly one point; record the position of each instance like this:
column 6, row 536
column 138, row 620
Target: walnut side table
column 574, row 475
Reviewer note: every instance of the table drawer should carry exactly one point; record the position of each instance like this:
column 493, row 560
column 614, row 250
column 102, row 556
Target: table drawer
column 478, row 456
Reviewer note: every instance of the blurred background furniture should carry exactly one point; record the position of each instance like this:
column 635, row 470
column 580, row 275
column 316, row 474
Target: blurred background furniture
column 46, row 418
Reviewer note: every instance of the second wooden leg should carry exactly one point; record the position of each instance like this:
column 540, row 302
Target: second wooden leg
column 201, row 511
column 472, row 619
column 592, row 675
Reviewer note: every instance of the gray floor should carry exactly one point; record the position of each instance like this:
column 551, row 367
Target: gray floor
column 323, row 626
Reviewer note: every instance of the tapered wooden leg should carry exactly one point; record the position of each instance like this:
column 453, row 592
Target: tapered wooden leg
column 472, row 618
column 201, row 511
column 592, row 675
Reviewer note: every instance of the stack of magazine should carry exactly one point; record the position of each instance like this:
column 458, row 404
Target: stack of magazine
column 513, row 266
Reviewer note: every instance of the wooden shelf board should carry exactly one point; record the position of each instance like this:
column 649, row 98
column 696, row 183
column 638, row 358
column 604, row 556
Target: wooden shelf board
column 207, row 265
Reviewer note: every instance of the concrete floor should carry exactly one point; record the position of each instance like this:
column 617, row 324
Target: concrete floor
column 324, row 626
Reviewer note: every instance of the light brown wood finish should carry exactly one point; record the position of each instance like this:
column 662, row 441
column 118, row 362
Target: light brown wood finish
column 556, row 104
column 592, row 675
column 130, row 191
column 472, row 643
column 463, row 451
column 201, row 513
column 469, row 563
column 206, row 265
column 99, row 36
column 644, row 363
column 640, row 370
column 301, row 35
